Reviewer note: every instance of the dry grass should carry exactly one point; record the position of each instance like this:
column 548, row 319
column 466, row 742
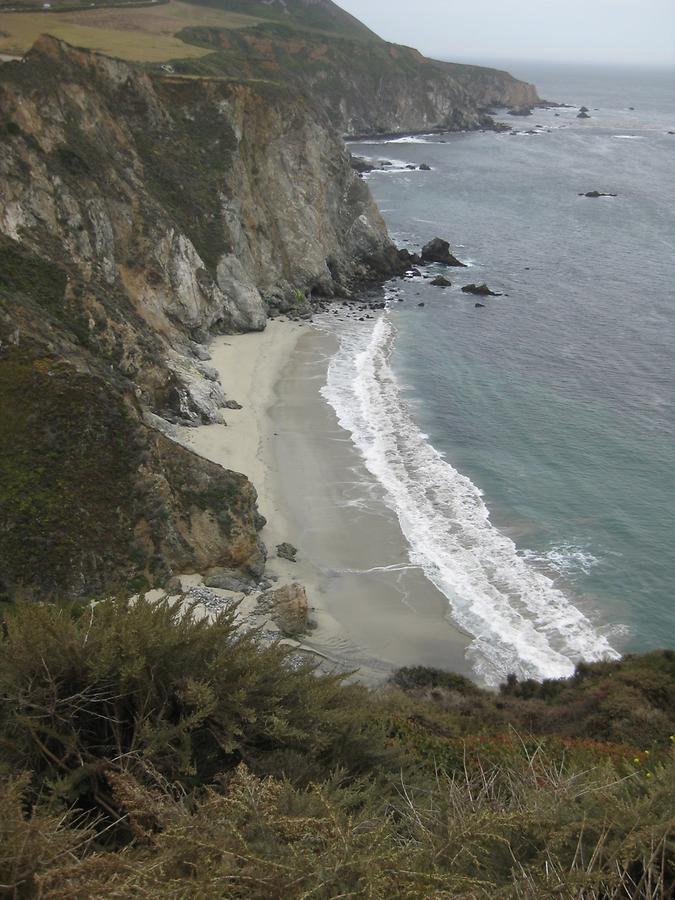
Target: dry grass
column 141, row 35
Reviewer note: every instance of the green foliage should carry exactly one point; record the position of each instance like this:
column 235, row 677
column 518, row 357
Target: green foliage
column 60, row 486
column 21, row 272
column 122, row 685
column 166, row 757
column 294, row 15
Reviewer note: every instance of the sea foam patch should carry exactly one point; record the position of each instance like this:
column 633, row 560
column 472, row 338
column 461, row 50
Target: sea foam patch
column 520, row 621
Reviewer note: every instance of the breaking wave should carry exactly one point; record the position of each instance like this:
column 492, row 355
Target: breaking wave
column 518, row 619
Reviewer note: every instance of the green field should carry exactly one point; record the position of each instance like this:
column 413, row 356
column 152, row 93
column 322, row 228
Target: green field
column 141, row 34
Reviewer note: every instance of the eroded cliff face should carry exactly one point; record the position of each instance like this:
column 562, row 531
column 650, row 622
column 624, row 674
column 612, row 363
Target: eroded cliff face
column 365, row 88
column 139, row 215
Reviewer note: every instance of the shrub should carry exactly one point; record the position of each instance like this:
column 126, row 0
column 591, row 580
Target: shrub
column 167, row 757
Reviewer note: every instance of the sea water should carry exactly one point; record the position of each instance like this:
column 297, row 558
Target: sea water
column 528, row 446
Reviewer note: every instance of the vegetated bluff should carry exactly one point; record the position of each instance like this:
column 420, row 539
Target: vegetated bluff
column 140, row 215
column 366, row 85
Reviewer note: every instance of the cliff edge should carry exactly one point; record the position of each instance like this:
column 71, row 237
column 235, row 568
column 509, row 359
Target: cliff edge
column 140, row 216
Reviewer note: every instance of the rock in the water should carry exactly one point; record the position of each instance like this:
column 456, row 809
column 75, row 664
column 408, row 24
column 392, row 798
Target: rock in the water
column 438, row 251
column 287, row 551
column 479, row 305
column 583, row 113
column 482, row 290
column 361, row 165
column 420, row 304
column 289, row 608
column 425, row 168
column 595, row 194
column 521, row 111
column 409, row 259
column 441, row 281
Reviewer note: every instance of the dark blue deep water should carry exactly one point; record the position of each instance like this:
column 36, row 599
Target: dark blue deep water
column 557, row 402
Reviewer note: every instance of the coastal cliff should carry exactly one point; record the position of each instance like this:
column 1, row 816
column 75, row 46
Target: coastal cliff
column 141, row 215
column 379, row 88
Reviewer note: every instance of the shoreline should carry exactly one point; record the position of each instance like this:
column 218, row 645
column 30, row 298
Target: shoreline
column 372, row 610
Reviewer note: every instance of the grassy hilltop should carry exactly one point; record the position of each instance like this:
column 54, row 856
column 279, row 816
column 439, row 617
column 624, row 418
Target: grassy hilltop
column 145, row 31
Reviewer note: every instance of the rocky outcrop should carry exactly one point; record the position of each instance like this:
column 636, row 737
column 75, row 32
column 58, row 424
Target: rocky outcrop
column 289, row 608
column 139, row 216
column 480, row 290
column 377, row 88
column 438, row 251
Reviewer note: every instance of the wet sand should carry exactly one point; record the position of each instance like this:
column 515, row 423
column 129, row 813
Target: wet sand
column 374, row 612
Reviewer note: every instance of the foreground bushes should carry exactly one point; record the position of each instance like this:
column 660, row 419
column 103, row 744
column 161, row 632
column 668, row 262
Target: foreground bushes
column 160, row 756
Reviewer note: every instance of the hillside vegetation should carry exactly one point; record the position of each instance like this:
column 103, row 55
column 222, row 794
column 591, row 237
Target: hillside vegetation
column 146, row 754
column 142, row 34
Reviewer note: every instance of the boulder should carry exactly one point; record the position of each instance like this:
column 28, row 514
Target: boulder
column 441, row 281
column 481, row 290
column 287, row 551
column 583, row 113
column 173, row 587
column 361, row 165
column 595, row 194
column 425, row 168
column 479, row 305
column 232, row 404
column 289, row 607
column 521, row 111
column 228, row 580
column 408, row 258
column 438, row 251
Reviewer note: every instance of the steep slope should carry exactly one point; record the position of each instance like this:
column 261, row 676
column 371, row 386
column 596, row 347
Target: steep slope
column 139, row 216
column 321, row 15
column 386, row 89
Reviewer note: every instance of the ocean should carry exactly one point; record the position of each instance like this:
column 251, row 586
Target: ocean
column 528, row 447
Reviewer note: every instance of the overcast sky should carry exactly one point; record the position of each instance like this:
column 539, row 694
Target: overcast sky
column 624, row 31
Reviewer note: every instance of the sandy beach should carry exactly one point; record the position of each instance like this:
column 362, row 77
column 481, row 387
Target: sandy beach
column 373, row 611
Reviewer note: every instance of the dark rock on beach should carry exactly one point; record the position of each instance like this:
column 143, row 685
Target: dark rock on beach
column 230, row 581
column 441, row 281
column 289, row 608
column 438, row 251
column 481, row 290
column 287, row 551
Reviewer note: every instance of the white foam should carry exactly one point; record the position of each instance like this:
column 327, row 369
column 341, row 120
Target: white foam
column 628, row 137
column 408, row 140
column 566, row 559
column 519, row 620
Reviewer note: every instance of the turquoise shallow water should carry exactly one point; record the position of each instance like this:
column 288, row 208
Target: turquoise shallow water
column 557, row 401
